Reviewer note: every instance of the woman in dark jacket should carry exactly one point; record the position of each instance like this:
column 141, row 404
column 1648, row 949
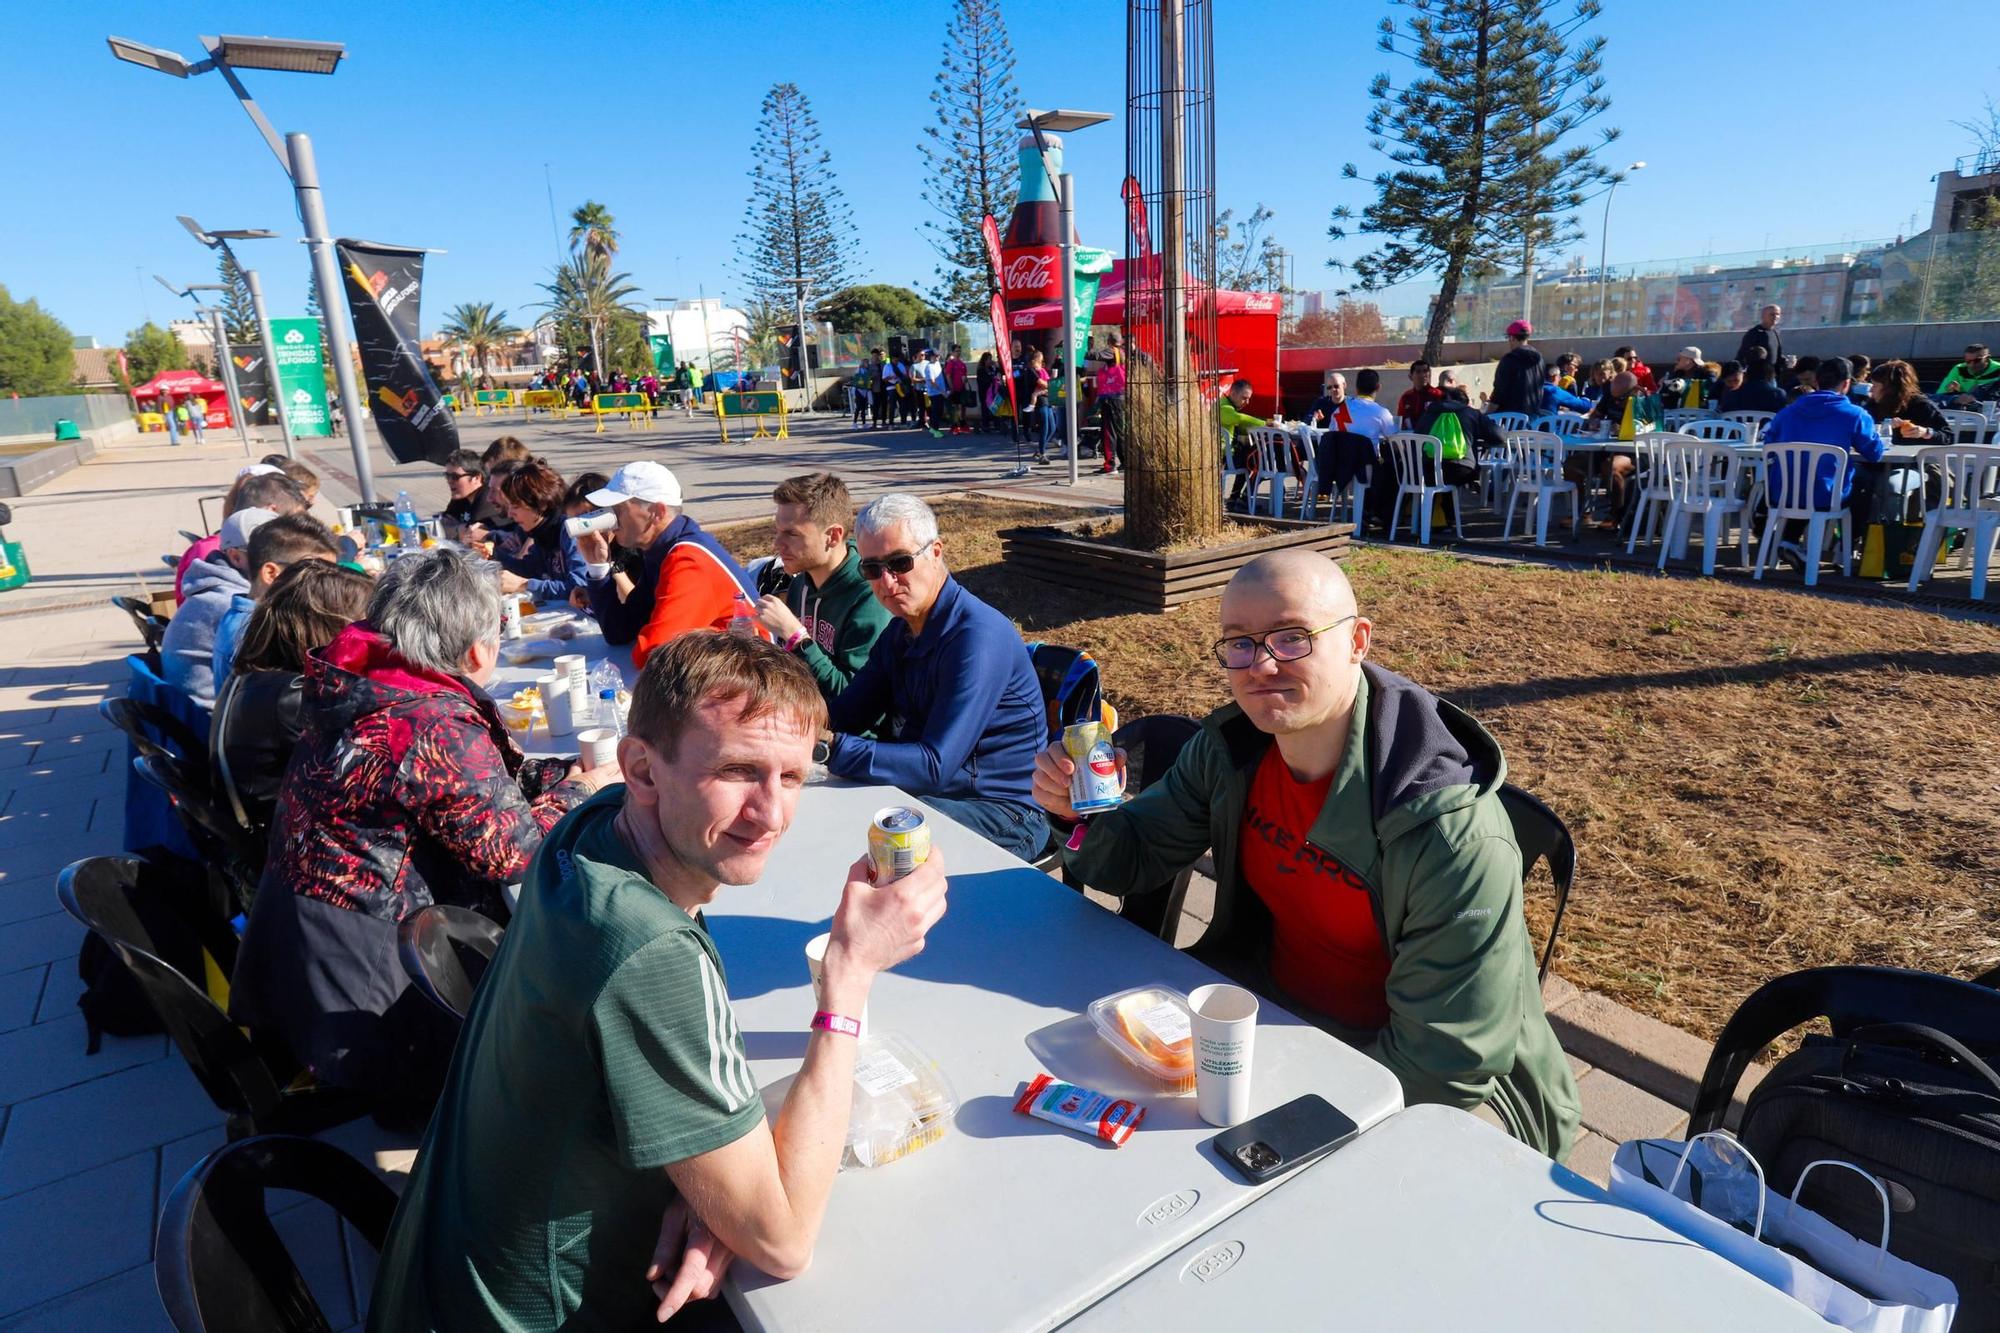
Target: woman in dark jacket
column 988, row 371
column 1893, row 394
column 260, row 710
column 544, row 562
column 405, row 790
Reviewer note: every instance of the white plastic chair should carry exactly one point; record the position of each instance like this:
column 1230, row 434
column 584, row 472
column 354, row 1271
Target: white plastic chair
column 1407, row 448
column 1714, row 430
column 1305, row 440
column 1508, row 421
column 1677, row 418
column 1706, row 481
column 1652, row 476
column 1754, row 422
column 1565, row 424
column 1353, row 494
column 1274, row 469
column 1961, row 505
column 1535, row 459
column 1966, row 427
column 1789, row 470
column 1229, row 468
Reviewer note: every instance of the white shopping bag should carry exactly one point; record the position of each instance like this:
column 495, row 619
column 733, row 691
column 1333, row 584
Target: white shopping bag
column 1849, row 1282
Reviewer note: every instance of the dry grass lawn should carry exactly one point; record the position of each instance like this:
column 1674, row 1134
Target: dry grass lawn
column 1757, row 780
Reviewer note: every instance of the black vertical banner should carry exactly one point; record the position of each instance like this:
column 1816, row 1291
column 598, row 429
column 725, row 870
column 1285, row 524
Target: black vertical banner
column 253, row 384
column 383, row 286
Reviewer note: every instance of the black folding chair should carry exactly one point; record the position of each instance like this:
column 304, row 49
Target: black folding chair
column 151, row 626
column 1151, row 746
column 229, row 849
column 445, row 951
column 220, row 1265
column 1848, row 998
column 1542, row 835
column 250, row 1080
column 150, row 728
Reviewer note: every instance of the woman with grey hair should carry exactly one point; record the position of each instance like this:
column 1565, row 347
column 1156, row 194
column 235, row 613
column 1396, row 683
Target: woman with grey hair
column 405, row 790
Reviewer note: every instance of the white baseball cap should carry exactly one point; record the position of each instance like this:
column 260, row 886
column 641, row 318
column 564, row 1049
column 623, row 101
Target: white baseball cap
column 651, row 482
column 1692, row 353
column 236, row 529
column 261, row 470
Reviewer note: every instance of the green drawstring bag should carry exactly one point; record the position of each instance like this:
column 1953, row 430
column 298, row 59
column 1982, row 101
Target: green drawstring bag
column 1450, row 437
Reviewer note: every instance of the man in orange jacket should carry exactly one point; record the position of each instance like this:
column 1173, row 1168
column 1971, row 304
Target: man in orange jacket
column 688, row 580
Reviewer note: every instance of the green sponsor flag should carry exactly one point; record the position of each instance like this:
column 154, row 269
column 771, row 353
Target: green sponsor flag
column 1091, row 266
column 663, row 352
column 300, row 376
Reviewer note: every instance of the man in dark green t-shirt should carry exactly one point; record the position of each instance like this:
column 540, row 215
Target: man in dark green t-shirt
column 601, row 1082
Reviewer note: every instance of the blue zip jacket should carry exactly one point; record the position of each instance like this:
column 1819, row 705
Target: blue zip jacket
column 1555, row 396
column 965, row 710
column 549, row 561
column 1824, row 417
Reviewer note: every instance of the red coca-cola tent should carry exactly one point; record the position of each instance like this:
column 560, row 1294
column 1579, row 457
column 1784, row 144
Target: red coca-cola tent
column 180, row 385
column 1246, row 327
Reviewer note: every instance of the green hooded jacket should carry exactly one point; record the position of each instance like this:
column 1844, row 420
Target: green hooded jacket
column 842, row 622
column 1415, row 812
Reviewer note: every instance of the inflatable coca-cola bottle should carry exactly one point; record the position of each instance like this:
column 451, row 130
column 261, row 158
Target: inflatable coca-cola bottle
column 1030, row 260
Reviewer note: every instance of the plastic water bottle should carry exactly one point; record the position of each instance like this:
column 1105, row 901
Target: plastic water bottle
column 609, row 714
column 743, row 621
column 409, row 529
column 605, row 680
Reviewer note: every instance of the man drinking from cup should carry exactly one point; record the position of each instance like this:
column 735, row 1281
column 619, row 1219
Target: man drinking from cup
column 601, row 1097
column 1367, row 875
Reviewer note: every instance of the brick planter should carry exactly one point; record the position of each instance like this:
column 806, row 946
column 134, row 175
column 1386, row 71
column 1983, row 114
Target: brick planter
column 1156, row 580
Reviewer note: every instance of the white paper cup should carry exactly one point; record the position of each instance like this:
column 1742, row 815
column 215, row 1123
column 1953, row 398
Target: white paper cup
column 558, row 703
column 577, row 668
column 1225, row 1032
column 816, row 964
column 345, row 517
column 599, row 746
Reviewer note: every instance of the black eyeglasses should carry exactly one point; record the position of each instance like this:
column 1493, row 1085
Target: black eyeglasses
column 892, row 564
column 1286, row 644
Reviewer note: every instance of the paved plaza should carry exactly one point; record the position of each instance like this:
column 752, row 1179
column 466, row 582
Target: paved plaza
column 91, row 1145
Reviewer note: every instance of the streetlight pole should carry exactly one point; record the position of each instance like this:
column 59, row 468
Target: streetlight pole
column 1604, row 245
column 1063, row 121
column 226, row 55
column 226, row 367
column 219, row 240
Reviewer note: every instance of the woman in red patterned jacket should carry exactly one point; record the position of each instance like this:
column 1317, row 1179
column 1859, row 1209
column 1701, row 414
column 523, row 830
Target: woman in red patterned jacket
column 405, row 791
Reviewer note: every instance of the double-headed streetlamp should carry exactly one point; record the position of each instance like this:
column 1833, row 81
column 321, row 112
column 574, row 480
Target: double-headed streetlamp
column 219, row 240
column 1060, row 122
column 294, row 152
column 1604, row 244
column 219, row 336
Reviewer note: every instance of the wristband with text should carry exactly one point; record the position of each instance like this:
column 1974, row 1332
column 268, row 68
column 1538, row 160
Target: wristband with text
column 823, row 1021
column 798, row 637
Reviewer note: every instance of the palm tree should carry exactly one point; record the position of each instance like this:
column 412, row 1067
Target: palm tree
column 593, row 232
column 478, row 328
column 584, row 295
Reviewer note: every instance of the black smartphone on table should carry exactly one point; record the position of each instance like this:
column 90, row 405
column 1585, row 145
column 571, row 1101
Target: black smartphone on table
column 1264, row 1147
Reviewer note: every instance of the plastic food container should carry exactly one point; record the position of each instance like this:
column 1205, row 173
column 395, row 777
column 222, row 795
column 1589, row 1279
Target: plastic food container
column 522, row 711
column 1152, row 1028
column 902, row 1101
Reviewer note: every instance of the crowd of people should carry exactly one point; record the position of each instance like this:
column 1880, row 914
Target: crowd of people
column 359, row 748
column 579, row 385
column 1830, row 400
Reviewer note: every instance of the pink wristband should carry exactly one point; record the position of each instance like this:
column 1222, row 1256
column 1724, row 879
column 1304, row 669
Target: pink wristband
column 823, row 1021
column 792, row 644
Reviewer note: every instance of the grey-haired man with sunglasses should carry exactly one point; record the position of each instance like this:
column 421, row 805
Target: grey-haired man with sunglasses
column 954, row 679
column 1367, row 875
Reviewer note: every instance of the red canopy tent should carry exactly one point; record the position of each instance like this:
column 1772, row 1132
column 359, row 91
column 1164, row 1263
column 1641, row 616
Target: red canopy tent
column 181, row 385
column 1246, row 328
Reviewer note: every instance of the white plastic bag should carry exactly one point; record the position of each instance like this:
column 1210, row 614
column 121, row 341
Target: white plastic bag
column 1851, row 1283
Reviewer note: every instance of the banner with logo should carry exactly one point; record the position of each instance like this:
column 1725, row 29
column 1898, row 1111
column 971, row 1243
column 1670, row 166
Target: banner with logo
column 1091, row 266
column 384, row 286
column 253, row 383
column 662, row 345
column 1003, row 344
column 300, row 382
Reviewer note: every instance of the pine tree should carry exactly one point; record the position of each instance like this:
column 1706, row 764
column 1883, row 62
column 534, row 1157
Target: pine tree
column 797, row 227
column 1482, row 173
column 969, row 160
column 239, row 312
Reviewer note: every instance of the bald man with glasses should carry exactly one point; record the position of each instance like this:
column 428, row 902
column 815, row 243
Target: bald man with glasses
column 1367, row 876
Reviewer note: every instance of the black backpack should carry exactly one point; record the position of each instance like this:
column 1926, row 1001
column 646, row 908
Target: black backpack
column 1905, row 1088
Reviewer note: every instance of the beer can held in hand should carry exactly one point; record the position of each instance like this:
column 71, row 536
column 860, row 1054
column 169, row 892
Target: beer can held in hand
column 1094, row 784
column 898, row 842
column 601, row 521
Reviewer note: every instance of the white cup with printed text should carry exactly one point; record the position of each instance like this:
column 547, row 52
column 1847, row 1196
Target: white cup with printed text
column 599, row 746
column 558, row 703
column 1225, row 1033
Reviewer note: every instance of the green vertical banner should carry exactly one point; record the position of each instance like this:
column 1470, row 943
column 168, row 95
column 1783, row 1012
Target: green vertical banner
column 1091, row 266
column 300, row 376
column 663, row 352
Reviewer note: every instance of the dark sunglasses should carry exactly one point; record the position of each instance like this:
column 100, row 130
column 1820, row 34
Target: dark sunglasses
column 459, row 476
column 892, row 564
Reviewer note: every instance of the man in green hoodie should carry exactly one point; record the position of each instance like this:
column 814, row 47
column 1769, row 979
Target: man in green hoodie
column 829, row 616
column 1367, row 876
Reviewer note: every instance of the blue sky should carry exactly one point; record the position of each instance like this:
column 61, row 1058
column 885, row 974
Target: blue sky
column 1759, row 129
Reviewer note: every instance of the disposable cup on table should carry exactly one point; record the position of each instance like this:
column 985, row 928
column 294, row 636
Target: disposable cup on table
column 599, row 746
column 558, row 703
column 816, row 965
column 577, row 668
column 1225, row 1033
